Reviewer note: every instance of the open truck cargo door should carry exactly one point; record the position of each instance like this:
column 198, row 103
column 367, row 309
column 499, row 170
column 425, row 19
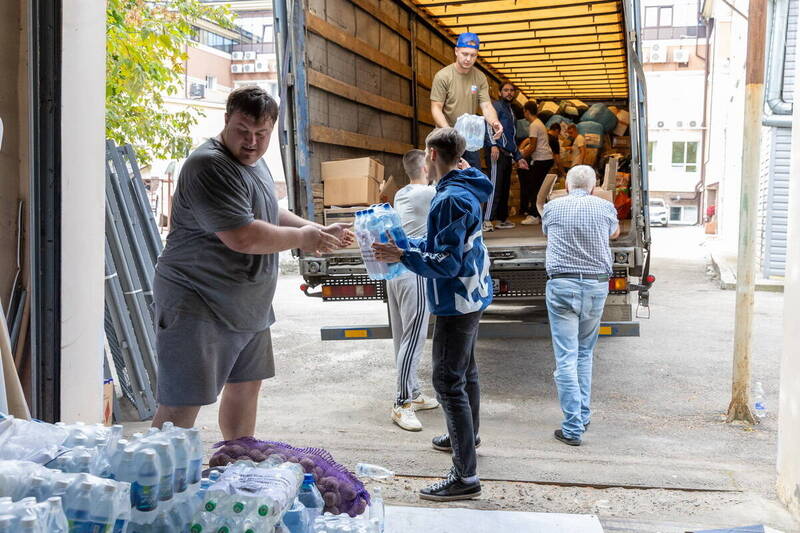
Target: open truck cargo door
column 355, row 82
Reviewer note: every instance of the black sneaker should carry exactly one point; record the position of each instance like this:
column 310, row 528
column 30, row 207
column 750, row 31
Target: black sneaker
column 451, row 489
column 442, row 443
column 560, row 436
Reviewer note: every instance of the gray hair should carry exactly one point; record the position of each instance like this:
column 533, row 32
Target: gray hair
column 581, row 177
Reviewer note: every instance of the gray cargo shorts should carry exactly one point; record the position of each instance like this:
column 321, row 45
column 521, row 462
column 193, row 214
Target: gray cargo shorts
column 198, row 355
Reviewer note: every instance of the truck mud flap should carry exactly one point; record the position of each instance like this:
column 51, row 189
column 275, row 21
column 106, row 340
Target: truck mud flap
column 488, row 330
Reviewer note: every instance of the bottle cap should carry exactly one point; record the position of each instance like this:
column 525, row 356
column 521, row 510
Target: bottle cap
column 238, row 507
column 196, row 528
column 211, row 505
column 263, row 510
column 308, row 478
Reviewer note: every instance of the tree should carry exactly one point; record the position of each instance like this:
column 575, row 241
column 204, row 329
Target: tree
column 146, row 47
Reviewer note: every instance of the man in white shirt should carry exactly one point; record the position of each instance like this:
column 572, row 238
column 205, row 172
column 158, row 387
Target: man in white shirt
column 578, row 146
column 408, row 309
column 537, row 147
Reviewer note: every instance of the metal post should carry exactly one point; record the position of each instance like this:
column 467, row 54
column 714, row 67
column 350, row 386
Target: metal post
column 739, row 408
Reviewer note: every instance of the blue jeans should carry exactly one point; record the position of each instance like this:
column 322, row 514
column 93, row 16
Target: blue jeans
column 575, row 307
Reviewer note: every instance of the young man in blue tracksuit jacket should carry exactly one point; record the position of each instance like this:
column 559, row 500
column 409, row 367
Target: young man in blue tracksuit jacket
column 455, row 262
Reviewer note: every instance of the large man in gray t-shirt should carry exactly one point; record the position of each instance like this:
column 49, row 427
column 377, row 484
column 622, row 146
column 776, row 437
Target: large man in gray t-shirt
column 216, row 277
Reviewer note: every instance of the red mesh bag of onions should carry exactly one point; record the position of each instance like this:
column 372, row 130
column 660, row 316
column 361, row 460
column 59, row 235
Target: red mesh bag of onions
column 341, row 490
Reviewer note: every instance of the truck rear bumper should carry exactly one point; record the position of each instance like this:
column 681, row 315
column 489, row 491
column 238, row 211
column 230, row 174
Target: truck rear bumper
column 488, row 330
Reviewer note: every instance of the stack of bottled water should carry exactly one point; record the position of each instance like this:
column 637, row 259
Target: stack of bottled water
column 248, row 498
column 89, row 502
column 342, row 523
column 163, row 468
column 377, row 224
column 306, row 508
column 29, row 516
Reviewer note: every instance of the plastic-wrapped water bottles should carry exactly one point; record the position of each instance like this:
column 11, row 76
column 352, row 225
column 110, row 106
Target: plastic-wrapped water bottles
column 31, row 517
column 343, row 523
column 248, row 497
column 311, row 498
column 377, row 224
column 93, row 503
column 473, row 129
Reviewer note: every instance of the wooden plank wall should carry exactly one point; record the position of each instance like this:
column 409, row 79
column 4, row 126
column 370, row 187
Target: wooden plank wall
column 362, row 78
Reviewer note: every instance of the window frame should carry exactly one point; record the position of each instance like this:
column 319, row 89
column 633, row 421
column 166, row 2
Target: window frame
column 685, row 163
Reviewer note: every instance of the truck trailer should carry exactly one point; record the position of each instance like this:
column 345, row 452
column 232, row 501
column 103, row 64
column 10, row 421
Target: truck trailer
column 355, row 79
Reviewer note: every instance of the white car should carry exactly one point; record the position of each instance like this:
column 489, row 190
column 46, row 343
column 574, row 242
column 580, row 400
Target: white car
column 659, row 216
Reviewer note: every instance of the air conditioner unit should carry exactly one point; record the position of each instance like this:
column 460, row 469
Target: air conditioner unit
column 657, row 56
column 656, row 47
column 236, row 69
column 197, row 90
column 660, row 124
column 238, row 55
column 249, row 56
column 249, row 67
column 680, row 56
column 262, row 66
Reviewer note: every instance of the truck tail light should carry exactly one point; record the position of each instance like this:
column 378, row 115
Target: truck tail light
column 618, row 284
column 349, row 291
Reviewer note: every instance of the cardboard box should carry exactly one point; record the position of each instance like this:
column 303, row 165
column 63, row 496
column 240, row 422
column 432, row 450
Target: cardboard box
column 349, row 168
column 359, row 190
column 341, row 214
column 388, row 189
column 352, row 182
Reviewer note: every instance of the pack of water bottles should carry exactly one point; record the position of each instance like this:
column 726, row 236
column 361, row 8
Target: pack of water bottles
column 164, row 470
column 28, row 516
column 90, row 503
column 248, row 498
column 379, row 223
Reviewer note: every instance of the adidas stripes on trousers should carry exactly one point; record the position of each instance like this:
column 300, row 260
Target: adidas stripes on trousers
column 408, row 311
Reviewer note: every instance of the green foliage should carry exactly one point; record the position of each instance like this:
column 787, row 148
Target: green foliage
column 146, row 50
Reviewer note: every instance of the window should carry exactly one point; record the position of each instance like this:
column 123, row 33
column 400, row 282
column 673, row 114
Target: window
column 658, row 17
column 211, row 82
column 651, row 148
column 683, row 214
column 684, row 156
column 214, row 40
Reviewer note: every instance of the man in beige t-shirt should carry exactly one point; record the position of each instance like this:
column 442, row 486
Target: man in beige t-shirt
column 461, row 88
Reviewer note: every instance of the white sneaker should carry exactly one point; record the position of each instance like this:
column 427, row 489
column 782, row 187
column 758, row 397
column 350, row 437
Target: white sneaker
column 505, row 225
column 487, row 226
column 422, row 402
column 530, row 220
column 403, row 416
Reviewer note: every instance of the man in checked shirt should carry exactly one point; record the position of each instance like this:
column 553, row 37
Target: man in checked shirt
column 579, row 263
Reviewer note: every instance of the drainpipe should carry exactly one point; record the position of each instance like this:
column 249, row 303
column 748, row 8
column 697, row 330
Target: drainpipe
column 774, row 82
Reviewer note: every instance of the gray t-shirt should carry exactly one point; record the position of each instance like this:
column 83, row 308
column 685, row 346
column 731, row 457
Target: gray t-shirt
column 412, row 203
column 196, row 272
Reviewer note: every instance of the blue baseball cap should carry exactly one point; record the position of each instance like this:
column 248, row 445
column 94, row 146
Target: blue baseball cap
column 468, row 40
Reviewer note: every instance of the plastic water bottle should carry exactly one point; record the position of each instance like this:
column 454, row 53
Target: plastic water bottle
column 145, row 488
column 6, row 523
column 473, row 128
column 395, row 227
column 167, row 466
column 102, row 511
column 79, row 507
column 297, row 519
column 311, row 498
column 195, row 455
column 376, row 507
column 180, row 445
column 758, row 401
column 373, row 471
column 28, row 524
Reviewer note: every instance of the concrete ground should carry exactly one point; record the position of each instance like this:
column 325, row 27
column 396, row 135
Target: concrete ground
column 659, row 455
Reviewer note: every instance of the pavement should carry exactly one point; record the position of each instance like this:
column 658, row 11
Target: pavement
column 724, row 262
column 658, row 457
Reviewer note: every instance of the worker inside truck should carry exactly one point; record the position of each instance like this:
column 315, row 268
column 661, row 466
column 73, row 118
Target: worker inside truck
column 460, row 88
